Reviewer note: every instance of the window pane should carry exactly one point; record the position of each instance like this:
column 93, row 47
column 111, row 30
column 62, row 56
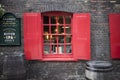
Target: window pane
column 53, row 29
column 61, row 30
column 68, row 29
column 57, row 50
column 47, row 49
column 68, row 39
column 46, row 29
column 53, row 39
column 60, row 19
column 54, row 49
column 60, row 39
column 61, row 49
column 46, row 39
column 68, row 19
column 53, row 20
column 46, row 19
column 68, row 49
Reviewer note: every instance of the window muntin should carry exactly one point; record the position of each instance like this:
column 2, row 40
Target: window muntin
column 57, row 34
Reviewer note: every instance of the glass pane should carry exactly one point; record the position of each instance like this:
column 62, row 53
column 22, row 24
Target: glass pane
column 68, row 39
column 47, row 49
column 60, row 39
column 68, row 49
column 46, row 39
column 68, row 29
column 53, row 20
column 46, row 19
column 46, row 29
column 61, row 49
column 68, row 19
column 61, row 30
column 53, row 39
column 60, row 20
column 54, row 49
column 53, row 29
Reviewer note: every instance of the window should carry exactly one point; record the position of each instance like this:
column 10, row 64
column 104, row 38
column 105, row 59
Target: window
column 57, row 36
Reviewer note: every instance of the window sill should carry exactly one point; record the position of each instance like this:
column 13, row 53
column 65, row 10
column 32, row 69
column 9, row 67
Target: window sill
column 59, row 59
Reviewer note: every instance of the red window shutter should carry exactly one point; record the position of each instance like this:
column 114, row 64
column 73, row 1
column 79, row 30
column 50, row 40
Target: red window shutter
column 114, row 21
column 32, row 36
column 81, row 36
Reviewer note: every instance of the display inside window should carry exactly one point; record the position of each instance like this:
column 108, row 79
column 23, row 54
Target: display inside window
column 57, row 36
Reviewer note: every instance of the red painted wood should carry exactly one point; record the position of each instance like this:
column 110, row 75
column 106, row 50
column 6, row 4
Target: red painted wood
column 114, row 22
column 81, row 36
column 32, row 36
column 33, row 44
column 59, row 59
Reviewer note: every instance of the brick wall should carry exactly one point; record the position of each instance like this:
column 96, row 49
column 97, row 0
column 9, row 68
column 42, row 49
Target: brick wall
column 100, row 45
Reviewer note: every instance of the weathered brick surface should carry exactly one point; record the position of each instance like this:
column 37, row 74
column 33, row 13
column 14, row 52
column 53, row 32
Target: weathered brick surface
column 100, row 45
column 56, row 70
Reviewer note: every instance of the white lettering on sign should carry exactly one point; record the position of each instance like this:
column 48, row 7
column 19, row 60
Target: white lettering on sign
column 9, row 33
column 9, row 19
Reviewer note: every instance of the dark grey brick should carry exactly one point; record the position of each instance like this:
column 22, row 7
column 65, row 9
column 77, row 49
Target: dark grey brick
column 100, row 42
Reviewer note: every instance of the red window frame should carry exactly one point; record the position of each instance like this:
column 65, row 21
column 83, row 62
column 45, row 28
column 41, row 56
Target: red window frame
column 57, row 25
